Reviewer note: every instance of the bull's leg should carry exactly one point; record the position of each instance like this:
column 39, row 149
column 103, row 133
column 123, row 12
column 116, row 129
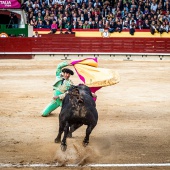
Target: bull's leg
column 61, row 129
column 63, row 142
column 88, row 132
column 73, row 128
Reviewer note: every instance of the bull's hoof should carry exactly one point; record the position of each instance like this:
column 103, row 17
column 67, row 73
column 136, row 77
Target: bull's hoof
column 85, row 143
column 69, row 135
column 63, row 147
column 57, row 140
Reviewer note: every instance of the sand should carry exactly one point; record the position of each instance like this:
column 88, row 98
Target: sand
column 133, row 125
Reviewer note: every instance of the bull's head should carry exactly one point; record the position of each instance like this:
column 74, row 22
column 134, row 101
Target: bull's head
column 75, row 97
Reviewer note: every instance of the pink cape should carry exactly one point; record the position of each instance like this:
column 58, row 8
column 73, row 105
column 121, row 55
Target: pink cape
column 94, row 77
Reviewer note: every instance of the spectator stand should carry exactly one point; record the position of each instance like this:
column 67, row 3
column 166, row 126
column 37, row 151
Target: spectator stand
column 115, row 15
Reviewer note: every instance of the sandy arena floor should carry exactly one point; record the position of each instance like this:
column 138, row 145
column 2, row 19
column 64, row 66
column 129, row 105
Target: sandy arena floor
column 133, row 126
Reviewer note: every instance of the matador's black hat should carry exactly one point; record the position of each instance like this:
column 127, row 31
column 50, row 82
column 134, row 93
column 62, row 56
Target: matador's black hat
column 67, row 70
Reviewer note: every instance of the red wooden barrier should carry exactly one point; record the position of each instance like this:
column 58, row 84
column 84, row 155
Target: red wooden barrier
column 73, row 44
column 15, row 56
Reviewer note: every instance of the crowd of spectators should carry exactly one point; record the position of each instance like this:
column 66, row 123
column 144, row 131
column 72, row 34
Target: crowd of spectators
column 114, row 15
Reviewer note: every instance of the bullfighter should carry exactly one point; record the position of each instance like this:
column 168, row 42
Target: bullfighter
column 60, row 87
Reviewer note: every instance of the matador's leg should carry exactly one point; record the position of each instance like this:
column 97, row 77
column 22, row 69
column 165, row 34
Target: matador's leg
column 50, row 107
column 54, row 104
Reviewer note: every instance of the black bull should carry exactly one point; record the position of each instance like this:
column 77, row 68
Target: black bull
column 78, row 108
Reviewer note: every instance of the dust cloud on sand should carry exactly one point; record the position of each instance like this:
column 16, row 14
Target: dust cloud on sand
column 76, row 154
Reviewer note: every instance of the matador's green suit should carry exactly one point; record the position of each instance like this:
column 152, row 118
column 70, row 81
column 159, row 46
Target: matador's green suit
column 60, row 88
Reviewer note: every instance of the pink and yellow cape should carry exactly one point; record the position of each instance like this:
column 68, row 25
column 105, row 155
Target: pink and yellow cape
column 94, row 77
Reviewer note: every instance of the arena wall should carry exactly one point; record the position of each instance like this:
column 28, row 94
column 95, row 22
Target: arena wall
column 64, row 44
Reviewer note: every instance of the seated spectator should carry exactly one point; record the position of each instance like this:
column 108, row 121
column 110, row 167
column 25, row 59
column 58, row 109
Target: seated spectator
column 139, row 24
column 43, row 9
column 80, row 25
column 64, row 20
column 67, row 16
column 118, row 14
column 141, row 5
column 93, row 25
column 35, row 5
column 97, row 3
column 86, row 15
column 60, row 25
column 39, row 17
column 133, row 5
column 132, row 20
column 153, row 28
column 164, row 28
column 146, row 24
column 100, row 25
column 126, row 25
column 68, row 26
column 47, row 25
column 126, row 5
column 146, row 11
column 147, row 5
column 118, row 27
column 132, row 28
column 160, row 6
column 89, row 5
column 154, row 6
column 74, row 16
column 53, row 27
column 110, row 17
column 167, row 6
column 82, row 17
column 90, row 21
column 86, row 25
column 75, row 25
column 33, row 22
column 124, row 12
column 106, row 24
column 40, row 24
column 30, row 17
column 36, row 10
column 139, row 14
column 61, row 2
column 112, row 27
column 28, row 3
column 166, row 22
column 167, row 16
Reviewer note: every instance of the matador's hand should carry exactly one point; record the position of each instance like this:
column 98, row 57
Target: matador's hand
column 55, row 97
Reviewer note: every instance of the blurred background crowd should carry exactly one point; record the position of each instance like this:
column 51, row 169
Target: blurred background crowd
column 114, row 15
